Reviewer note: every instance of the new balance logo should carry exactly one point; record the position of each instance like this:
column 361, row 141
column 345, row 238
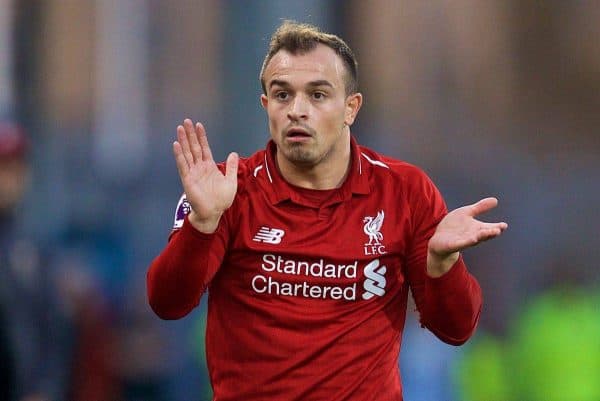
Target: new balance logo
column 269, row 235
column 375, row 282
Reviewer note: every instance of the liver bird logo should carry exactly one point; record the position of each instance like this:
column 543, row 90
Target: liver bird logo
column 373, row 227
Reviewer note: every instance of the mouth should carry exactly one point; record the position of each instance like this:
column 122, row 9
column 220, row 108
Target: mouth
column 298, row 134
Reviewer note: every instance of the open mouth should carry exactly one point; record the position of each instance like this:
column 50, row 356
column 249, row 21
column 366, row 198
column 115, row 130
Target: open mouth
column 297, row 133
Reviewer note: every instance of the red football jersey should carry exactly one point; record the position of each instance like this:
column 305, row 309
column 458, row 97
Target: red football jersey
column 307, row 289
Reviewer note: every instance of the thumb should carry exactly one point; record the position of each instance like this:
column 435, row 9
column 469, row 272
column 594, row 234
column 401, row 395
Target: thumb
column 483, row 206
column 231, row 166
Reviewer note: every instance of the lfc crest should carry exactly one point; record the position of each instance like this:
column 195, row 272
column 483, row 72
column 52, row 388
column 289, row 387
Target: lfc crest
column 372, row 228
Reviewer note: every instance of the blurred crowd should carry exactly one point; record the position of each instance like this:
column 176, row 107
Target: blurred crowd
column 494, row 98
column 63, row 336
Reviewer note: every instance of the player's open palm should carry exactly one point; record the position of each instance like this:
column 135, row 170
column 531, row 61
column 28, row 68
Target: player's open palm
column 207, row 189
column 459, row 229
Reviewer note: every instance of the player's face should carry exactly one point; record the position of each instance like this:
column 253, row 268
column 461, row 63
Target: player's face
column 308, row 110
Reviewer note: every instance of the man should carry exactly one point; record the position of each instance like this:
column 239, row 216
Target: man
column 308, row 248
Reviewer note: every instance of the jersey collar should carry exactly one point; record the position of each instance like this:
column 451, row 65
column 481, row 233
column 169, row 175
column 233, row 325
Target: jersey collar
column 357, row 181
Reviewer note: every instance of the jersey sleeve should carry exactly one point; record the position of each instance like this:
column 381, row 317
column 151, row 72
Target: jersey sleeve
column 449, row 306
column 178, row 277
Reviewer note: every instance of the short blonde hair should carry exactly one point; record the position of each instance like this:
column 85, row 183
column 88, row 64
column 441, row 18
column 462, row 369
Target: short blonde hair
column 299, row 38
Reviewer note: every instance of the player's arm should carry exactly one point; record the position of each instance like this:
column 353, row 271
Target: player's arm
column 448, row 297
column 451, row 302
column 178, row 277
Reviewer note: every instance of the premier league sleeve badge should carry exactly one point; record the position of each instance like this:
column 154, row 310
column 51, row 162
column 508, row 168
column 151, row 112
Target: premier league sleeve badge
column 183, row 208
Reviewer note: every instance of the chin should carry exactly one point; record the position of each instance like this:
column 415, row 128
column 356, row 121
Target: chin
column 300, row 156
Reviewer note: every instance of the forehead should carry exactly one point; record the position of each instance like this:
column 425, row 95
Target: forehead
column 321, row 63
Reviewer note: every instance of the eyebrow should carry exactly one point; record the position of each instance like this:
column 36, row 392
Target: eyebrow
column 282, row 83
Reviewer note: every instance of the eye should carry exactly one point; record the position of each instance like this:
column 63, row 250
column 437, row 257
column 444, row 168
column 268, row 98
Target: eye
column 281, row 95
column 318, row 95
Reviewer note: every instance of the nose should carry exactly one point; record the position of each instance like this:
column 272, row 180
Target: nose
column 298, row 108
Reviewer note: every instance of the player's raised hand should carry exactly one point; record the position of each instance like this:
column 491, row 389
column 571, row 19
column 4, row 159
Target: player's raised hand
column 458, row 230
column 208, row 191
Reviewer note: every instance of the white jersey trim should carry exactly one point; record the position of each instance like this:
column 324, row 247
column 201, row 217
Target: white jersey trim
column 375, row 162
column 267, row 168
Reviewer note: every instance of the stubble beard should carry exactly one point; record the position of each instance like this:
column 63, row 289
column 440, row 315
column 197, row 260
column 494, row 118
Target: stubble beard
column 301, row 153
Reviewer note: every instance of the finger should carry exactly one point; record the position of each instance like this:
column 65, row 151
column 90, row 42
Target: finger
column 203, row 139
column 488, row 233
column 484, row 226
column 483, row 206
column 231, row 167
column 190, row 133
column 491, row 230
column 185, row 145
column 192, row 136
column 182, row 164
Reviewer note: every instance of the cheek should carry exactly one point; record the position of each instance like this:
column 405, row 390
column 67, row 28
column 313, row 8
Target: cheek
column 275, row 125
column 271, row 116
column 335, row 118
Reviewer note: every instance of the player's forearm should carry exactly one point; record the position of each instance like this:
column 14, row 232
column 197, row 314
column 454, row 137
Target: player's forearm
column 178, row 277
column 452, row 305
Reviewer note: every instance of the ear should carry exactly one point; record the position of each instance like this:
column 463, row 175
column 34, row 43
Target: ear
column 353, row 103
column 264, row 100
